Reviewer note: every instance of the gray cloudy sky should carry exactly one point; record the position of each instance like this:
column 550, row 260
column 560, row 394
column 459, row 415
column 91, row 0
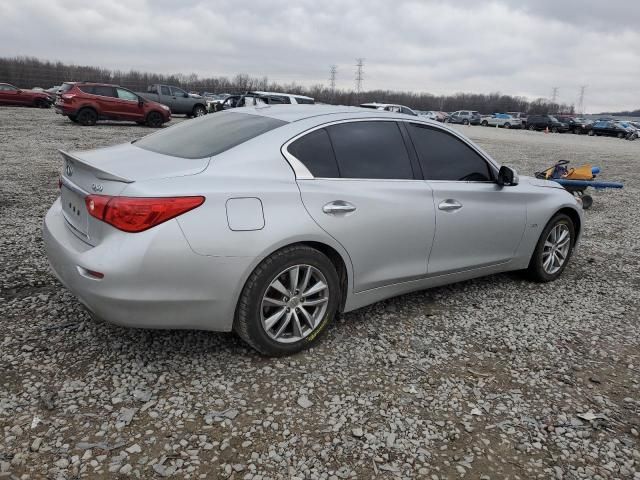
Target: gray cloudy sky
column 525, row 47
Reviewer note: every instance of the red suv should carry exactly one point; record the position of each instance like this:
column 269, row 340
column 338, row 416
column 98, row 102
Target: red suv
column 10, row 95
column 86, row 103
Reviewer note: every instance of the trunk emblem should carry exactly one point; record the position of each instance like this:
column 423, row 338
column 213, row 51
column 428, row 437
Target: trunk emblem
column 68, row 169
column 96, row 187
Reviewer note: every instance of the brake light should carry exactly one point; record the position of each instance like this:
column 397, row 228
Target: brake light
column 136, row 214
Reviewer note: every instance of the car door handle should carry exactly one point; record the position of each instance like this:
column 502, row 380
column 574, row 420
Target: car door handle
column 338, row 207
column 449, row 205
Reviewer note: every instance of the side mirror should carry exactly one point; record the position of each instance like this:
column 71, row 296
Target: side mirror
column 507, row 177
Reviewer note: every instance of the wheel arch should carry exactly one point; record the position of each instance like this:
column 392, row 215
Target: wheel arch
column 575, row 219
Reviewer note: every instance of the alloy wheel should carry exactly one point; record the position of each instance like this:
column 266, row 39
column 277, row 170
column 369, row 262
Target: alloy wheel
column 556, row 248
column 294, row 303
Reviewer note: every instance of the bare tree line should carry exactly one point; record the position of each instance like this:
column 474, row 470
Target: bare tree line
column 28, row 72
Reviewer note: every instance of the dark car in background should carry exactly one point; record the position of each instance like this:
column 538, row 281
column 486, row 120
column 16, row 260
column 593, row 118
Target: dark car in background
column 12, row 95
column 543, row 122
column 86, row 103
column 608, row 128
column 576, row 125
column 465, row 117
column 178, row 100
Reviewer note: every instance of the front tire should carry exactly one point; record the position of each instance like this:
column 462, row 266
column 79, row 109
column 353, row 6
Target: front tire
column 532, row 128
column 288, row 301
column 554, row 129
column 199, row 111
column 507, row 125
column 87, row 117
column 154, row 120
column 553, row 249
column 485, row 123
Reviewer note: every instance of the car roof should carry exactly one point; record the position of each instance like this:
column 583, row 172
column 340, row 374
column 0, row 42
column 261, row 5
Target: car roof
column 259, row 92
column 294, row 113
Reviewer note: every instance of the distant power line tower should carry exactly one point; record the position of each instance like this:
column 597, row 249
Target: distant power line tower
column 581, row 99
column 333, row 70
column 359, row 74
column 554, row 95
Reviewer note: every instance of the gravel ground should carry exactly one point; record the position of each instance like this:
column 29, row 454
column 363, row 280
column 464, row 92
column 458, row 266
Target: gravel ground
column 487, row 379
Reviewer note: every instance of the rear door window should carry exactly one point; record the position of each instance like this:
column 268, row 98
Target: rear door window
column 314, row 150
column 370, row 150
column 164, row 90
column 443, row 156
column 104, row 91
column 209, row 136
column 126, row 95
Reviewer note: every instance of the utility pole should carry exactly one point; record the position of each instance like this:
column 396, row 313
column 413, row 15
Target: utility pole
column 333, row 69
column 554, row 95
column 581, row 99
column 359, row 74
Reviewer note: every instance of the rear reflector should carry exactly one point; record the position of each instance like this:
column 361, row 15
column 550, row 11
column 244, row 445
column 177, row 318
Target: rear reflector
column 136, row 214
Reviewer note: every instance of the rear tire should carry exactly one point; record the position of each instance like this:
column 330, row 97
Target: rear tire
column 87, row 117
column 465, row 122
column 73, row 118
column 507, row 125
column 301, row 319
column 554, row 129
column 550, row 257
column 154, row 120
column 532, row 128
column 485, row 123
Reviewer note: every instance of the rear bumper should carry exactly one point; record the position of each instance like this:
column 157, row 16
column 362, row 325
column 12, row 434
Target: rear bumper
column 61, row 109
column 151, row 279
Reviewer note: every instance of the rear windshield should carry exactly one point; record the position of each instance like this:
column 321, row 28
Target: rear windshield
column 65, row 87
column 208, row 136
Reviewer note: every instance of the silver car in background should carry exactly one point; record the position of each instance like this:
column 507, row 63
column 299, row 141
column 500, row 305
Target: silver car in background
column 269, row 220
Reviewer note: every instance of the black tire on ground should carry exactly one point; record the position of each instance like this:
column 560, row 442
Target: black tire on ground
column 587, row 201
column 248, row 319
column 591, row 133
column 199, row 111
column 620, row 135
column 531, row 127
column 465, row 122
column 154, row 120
column 536, row 271
column 485, row 123
column 554, row 129
column 507, row 125
column 73, row 118
column 87, row 117
column 41, row 103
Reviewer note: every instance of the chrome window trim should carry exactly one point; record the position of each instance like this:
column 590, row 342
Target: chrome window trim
column 303, row 173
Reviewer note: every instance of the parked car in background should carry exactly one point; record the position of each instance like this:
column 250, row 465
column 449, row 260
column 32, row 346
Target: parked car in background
column 14, row 96
column 53, row 91
column 576, row 125
column 632, row 131
column 608, row 128
column 434, row 115
column 86, row 103
column 254, row 98
column 542, row 122
column 520, row 115
column 501, row 120
column 179, row 101
column 390, row 107
column 465, row 117
column 212, row 257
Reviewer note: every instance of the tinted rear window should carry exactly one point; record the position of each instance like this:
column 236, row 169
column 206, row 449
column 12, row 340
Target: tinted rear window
column 315, row 152
column 208, row 136
column 370, row 150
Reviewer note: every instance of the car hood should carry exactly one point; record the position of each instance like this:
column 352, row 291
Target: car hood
column 538, row 182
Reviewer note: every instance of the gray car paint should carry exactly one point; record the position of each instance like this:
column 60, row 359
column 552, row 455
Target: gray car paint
column 189, row 272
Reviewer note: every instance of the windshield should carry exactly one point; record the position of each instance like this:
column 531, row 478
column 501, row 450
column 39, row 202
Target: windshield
column 209, row 135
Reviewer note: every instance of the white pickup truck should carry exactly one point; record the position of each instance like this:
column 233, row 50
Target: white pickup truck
column 500, row 120
column 179, row 101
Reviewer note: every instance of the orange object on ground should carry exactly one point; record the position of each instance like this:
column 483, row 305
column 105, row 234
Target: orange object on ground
column 583, row 172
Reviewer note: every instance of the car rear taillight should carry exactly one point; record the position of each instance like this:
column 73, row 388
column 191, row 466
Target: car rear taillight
column 136, row 214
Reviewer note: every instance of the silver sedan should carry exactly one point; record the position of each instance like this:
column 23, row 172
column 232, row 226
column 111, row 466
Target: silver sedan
column 269, row 220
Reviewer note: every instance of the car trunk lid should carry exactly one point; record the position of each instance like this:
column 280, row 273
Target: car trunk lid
column 108, row 171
